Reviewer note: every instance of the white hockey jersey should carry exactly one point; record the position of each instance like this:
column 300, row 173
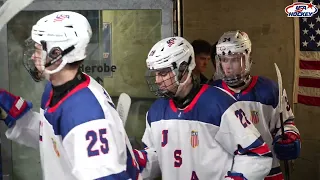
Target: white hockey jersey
column 204, row 141
column 261, row 99
column 80, row 138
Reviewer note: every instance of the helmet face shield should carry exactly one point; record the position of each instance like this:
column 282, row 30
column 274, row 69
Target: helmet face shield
column 233, row 60
column 233, row 68
column 233, row 64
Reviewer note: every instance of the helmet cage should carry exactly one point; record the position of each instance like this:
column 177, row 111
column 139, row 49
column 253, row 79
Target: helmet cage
column 165, row 82
column 36, row 61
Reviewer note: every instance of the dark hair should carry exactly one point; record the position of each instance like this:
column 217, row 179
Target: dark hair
column 201, row 46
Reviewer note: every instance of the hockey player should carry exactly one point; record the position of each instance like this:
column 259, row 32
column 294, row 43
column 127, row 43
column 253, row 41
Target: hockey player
column 259, row 94
column 195, row 131
column 78, row 131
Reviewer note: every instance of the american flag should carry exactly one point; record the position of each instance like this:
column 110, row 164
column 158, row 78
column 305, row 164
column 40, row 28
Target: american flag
column 194, row 139
column 307, row 90
column 60, row 17
column 254, row 117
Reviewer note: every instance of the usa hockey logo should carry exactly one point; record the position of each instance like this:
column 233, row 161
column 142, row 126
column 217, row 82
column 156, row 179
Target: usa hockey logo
column 60, row 17
column 170, row 42
column 301, row 9
column 254, row 117
column 194, row 139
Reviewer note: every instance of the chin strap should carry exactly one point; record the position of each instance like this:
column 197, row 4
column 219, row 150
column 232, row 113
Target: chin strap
column 184, row 102
column 242, row 84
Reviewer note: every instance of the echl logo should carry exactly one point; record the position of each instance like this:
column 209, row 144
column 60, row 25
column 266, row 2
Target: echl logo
column 170, row 42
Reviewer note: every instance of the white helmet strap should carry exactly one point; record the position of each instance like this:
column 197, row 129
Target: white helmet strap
column 183, row 68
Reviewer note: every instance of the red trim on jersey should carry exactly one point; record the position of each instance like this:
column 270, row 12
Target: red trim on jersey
column 289, row 123
column 141, row 157
column 193, row 102
column 76, row 89
column 261, row 150
column 278, row 176
column 173, row 106
column 251, row 85
column 226, row 87
column 195, row 99
column 50, row 97
column 246, row 90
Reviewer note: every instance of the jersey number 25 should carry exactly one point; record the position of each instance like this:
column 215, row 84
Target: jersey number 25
column 97, row 137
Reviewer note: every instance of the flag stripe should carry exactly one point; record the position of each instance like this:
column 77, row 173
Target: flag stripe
column 309, row 100
column 307, row 58
column 310, row 73
column 311, row 65
column 309, row 91
column 310, row 55
column 308, row 82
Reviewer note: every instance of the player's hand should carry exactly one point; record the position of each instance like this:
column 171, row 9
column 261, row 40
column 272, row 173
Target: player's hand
column 141, row 158
column 12, row 107
column 234, row 176
column 287, row 148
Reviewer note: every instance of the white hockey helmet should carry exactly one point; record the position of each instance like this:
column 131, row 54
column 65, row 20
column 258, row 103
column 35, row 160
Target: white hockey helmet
column 173, row 54
column 234, row 48
column 62, row 35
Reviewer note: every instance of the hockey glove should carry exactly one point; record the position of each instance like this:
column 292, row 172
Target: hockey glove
column 235, row 176
column 288, row 148
column 12, row 107
column 141, row 157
